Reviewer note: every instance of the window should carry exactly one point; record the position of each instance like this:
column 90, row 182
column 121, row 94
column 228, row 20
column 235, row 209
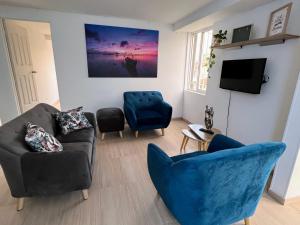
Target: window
column 198, row 61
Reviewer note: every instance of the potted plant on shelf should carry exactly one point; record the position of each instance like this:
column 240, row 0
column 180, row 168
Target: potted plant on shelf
column 218, row 39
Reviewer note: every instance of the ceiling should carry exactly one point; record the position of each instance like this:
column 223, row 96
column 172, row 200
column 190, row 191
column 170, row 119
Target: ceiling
column 166, row 11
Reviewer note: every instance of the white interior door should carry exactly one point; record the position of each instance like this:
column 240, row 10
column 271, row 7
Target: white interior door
column 21, row 60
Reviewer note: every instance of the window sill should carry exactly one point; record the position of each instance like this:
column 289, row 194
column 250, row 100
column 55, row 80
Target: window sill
column 196, row 92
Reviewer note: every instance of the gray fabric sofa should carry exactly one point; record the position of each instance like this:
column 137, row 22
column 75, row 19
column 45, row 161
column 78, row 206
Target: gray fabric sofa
column 42, row 174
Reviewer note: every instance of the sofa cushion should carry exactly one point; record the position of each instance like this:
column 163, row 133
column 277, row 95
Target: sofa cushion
column 146, row 117
column 80, row 146
column 41, row 141
column 84, row 135
column 72, row 120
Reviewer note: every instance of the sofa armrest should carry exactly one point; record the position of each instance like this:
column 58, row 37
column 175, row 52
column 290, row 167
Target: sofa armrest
column 221, row 142
column 92, row 119
column 55, row 173
column 10, row 162
column 166, row 110
column 130, row 115
column 16, row 150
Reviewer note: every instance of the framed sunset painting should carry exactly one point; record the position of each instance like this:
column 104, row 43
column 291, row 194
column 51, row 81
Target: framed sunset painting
column 121, row 52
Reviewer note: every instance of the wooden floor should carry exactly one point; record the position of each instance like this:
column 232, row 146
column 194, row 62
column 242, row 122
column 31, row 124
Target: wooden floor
column 122, row 192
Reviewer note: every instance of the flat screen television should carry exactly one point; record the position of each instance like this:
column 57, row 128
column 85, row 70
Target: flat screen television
column 245, row 75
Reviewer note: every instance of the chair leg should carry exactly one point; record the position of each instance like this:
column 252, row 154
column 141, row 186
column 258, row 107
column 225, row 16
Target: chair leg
column 121, row 134
column 136, row 134
column 20, row 204
column 102, row 136
column 162, row 131
column 247, row 221
column 85, row 194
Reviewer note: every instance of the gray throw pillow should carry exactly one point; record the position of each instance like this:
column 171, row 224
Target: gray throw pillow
column 72, row 120
column 41, row 141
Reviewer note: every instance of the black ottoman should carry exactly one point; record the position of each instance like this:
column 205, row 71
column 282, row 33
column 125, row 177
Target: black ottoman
column 110, row 120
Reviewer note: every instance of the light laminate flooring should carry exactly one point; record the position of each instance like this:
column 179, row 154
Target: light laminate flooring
column 122, row 192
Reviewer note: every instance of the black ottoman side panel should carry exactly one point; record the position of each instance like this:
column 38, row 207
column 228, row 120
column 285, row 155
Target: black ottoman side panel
column 110, row 119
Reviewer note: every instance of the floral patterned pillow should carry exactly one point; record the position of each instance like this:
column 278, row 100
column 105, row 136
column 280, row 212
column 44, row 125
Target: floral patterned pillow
column 41, row 141
column 72, row 120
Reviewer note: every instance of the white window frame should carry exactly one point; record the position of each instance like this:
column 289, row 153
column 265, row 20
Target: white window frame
column 190, row 60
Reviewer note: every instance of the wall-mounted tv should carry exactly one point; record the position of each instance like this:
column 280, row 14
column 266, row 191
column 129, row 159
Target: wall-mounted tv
column 245, row 75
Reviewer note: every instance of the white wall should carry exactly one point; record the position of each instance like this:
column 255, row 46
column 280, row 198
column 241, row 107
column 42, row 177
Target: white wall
column 257, row 118
column 42, row 60
column 293, row 190
column 286, row 182
column 75, row 88
column 253, row 118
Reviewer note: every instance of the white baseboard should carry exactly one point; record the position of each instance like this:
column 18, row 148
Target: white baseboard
column 185, row 120
column 276, row 197
column 281, row 200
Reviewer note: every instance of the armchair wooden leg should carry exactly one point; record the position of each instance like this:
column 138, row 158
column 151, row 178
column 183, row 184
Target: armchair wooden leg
column 121, row 134
column 20, row 204
column 102, row 136
column 163, row 132
column 85, row 194
column 247, row 221
column 136, row 134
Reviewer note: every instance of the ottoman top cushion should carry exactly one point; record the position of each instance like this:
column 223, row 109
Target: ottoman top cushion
column 110, row 113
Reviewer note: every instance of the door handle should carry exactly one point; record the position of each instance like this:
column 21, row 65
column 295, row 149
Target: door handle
column 33, row 71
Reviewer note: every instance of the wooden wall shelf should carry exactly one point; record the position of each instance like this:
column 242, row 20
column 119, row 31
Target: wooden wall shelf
column 277, row 39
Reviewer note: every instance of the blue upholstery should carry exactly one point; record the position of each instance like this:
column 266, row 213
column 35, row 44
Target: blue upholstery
column 145, row 110
column 218, row 187
column 148, row 117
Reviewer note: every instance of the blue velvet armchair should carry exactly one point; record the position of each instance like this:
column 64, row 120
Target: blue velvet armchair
column 217, row 187
column 146, row 110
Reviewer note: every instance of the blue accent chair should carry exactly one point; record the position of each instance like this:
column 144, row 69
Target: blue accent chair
column 146, row 110
column 217, row 187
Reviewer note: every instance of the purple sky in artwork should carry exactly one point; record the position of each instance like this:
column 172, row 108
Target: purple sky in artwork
column 110, row 40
